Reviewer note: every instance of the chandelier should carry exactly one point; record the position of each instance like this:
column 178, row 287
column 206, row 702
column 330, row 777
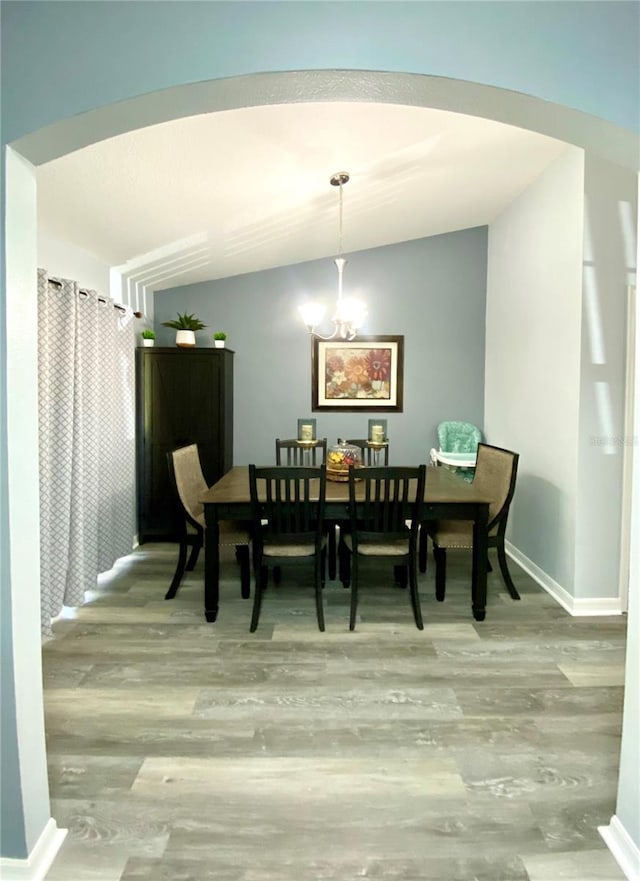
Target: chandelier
column 349, row 312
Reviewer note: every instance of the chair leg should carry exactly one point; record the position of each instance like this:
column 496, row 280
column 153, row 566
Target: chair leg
column 319, row 567
column 333, row 552
column 177, row 576
column 440, row 555
column 344, row 560
column 261, row 577
column 354, row 593
column 193, row 556
column 400, row 576
column 415, row 597
column 242, row 556
column 422, row 548
column 502, row 560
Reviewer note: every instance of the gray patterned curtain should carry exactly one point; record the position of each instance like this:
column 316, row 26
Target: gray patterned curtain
column 86, row 429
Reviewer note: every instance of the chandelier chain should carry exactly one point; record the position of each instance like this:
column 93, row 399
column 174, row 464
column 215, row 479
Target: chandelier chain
column 340, row 224
column 350, row 312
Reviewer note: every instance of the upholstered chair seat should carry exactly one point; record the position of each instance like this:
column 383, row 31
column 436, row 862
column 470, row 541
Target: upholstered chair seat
column 293, row 549
column 398, row 547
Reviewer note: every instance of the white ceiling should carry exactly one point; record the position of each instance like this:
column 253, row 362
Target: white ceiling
column 238, row 191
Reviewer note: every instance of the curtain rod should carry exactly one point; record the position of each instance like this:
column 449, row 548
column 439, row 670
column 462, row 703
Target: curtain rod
column 85, row 293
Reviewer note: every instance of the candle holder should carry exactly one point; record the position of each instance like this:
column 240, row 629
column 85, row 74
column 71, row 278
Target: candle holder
column 306, row 431
column 377, row 433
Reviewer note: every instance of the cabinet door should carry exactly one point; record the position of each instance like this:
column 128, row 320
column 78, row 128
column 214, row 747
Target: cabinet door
column 183, row 403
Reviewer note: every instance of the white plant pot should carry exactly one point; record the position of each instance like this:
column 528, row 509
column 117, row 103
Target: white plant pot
column 147, row 343
column 219, row 344
column 186, row 339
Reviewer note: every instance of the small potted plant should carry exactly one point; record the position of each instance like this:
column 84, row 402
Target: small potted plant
column 148, row 336
column 218, row 339
column 185, row 326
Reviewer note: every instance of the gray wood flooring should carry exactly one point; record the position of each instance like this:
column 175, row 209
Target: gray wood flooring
column 185, row 751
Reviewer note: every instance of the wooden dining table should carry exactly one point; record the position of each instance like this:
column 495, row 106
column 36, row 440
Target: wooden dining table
column 447, row 497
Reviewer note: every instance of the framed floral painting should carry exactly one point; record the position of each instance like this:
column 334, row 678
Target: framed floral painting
column 364, row 374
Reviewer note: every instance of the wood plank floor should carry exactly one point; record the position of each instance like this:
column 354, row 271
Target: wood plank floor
column 185, row 751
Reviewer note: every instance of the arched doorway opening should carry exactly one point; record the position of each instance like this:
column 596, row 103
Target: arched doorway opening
column 67, row 135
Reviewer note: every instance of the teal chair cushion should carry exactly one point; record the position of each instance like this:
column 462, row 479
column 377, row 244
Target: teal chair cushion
column 458, row 437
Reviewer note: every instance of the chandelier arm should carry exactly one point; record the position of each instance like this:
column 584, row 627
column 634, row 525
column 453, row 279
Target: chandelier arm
column 319, row 336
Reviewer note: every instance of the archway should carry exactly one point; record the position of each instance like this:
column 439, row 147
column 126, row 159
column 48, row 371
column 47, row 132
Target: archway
column 62, row 137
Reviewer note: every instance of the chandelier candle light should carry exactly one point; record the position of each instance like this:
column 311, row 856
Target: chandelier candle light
column 350, row 312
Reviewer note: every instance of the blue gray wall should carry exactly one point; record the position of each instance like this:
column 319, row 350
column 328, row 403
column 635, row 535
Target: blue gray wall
column 432, row 291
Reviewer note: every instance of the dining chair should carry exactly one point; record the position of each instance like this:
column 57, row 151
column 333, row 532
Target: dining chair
column 287, row 504
column 305, row 454
column 371, row 455
column 495, row 473
column 385, row 510
column 189, row 485
column 300, row 454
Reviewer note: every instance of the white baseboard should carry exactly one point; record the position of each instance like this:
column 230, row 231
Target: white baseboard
column 575, row 606
column 624, row 850
column 38, row 863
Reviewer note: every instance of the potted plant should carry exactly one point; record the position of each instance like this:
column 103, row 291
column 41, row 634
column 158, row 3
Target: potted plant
column 218, row 339
column 185, row 326
column 148, row 336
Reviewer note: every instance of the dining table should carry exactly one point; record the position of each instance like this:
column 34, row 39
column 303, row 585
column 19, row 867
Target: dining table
column 447, row 497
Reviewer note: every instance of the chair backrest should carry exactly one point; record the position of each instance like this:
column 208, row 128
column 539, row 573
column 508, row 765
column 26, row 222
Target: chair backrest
column 382, row 500
column 368, row 453
column 301, row 454
column 496, row 471
column 458, row 437
column 287, row 502
column 188, row 480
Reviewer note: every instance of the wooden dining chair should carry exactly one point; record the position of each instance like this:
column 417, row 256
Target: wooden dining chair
column 287, row 504
column 189, row 485
column 495, row 473
column 371, row 455
column 385, row 510
column 295, row 453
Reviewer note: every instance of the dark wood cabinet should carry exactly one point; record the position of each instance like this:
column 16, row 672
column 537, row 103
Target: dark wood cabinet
column 183, row 396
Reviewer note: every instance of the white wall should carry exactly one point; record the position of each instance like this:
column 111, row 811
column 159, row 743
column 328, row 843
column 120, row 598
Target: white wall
column 622, row 835
column 627, row 820
column 609, row 266
column 64, row 260
column 23, row 735
column 533, row 359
